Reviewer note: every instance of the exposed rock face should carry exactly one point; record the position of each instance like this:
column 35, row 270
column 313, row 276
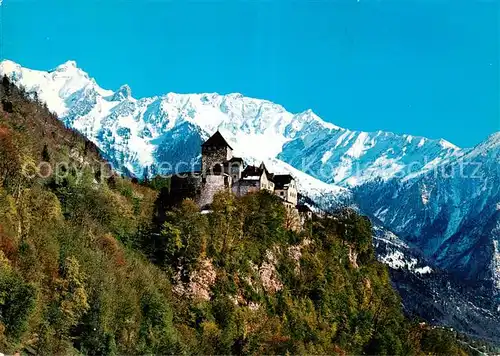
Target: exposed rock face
column 270, row 281
column 200, row 282
column 295, row 253
column 268, row 274
column 353, row 257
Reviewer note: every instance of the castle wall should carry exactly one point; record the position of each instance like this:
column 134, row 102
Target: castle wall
column 182, row 186
column 305, row 216
column 289, row 194
column 210, row 186
column 243, row 187
column 292, row 193
column 292, row 218
column 282, row 193
column 266, row 184
column 235, row 169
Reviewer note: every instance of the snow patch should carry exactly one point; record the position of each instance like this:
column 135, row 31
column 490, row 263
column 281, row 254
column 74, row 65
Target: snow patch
column 359, row 147
column 425, row 194
column 397, row 260
column 447, row 144
column 326, row 156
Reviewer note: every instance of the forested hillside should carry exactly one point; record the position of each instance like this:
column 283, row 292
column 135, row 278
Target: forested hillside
column 97, row 264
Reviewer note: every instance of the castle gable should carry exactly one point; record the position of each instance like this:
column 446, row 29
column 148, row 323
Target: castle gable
column 252, row 172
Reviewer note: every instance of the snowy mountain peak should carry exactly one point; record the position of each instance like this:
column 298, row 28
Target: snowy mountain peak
column 8, row 67
column 69, row 65
column 494, row 140
column 123, row 93
column 446, row 144
column 310, row 115
column 488, row 148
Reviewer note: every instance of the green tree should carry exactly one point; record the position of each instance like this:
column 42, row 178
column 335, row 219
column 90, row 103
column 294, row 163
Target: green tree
column 17, row 301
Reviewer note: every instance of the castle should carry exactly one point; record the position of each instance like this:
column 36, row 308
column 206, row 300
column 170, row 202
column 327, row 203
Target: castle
column 220, row 170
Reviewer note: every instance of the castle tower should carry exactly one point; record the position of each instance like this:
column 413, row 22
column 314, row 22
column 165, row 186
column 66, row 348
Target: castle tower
column 215, row 152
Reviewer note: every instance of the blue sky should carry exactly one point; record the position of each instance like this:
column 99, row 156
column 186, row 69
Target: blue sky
column 425, row 67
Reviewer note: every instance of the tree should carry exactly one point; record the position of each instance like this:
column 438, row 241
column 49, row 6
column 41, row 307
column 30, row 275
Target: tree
column 10, row 160
column 73, row 298
column 45, row 153
column 183, row 238
column 17, row 300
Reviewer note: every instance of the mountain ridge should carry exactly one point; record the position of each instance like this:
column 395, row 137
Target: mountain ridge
column 258, row 128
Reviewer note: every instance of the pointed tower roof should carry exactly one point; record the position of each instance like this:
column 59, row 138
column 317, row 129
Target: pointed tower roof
column 269, row 175
column 216, row 140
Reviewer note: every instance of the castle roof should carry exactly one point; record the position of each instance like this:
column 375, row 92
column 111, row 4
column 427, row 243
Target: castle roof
column 302, row 208
column 253, row 172
column 216, row 140
column 270, row 176
column 281, row 181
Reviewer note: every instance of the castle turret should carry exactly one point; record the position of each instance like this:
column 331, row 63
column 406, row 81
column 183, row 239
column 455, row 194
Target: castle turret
column 215, row 152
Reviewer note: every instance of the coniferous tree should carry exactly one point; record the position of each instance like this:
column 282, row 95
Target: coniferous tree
column 45, row 153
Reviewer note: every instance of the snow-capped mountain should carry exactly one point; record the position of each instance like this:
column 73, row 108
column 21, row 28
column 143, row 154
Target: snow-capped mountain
column 351, row 158
column 135, row 133
column 421, row 189
column 451, row 213
column 164, row 133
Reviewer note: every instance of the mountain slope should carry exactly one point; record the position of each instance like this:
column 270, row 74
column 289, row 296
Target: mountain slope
column 452, row 214
column 434, row 294
column 352, row 158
